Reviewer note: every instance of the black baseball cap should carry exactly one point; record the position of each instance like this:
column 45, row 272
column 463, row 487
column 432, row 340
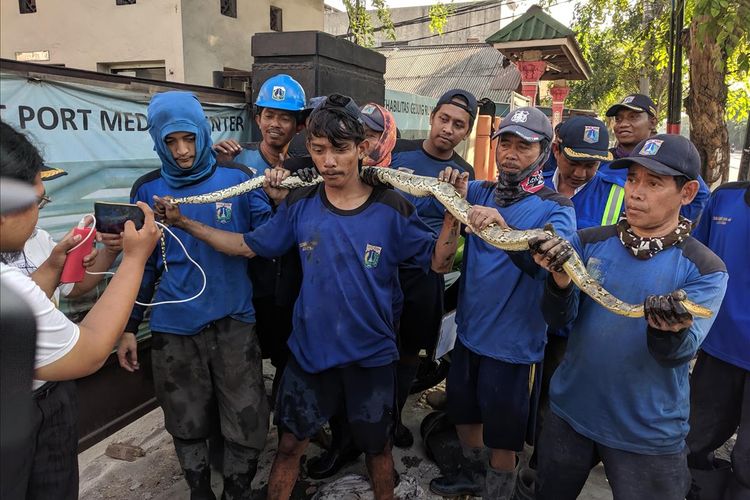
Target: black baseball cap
column 665, row 154
column 343, row 102
column 528, row 123
column 584, row 138
column 636, row 102
column 51, row 173
column 465, row 100
column 372, row 117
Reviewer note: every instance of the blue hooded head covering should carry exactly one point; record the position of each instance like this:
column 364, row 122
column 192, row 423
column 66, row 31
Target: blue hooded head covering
column 180, row 112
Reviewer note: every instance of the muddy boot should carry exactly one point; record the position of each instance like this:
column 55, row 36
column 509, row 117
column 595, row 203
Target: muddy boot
column 498, row 484
column 240, row 465
column 193, row 457
column 340, row 453
column 238, row 486
column 468, row 480
column 199, row 482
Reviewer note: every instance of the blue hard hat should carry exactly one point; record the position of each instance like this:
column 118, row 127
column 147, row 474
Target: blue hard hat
column 281, row 92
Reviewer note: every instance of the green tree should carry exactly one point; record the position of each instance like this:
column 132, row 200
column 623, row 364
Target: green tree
column 626, row 45
column 362, row 28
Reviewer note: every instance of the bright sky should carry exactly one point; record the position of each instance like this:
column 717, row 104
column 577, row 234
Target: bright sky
column 562, row 12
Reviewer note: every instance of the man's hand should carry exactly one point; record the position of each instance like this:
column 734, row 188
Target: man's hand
column 140, row 244
column 168, row 212
column 482, row 217
column 551, row 252
column 369, row 176
column 227, row 150
column 60, row 251
column 127, row 352
column 274, row 176
column 460, row 180
column 112, row 242
column 666, row 312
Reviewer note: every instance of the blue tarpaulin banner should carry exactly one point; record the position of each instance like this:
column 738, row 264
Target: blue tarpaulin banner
column 98, row 135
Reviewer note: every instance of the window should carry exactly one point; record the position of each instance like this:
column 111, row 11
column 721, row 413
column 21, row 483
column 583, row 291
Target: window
column 229, row 8
column 276, row 19
column 124, row 2
column 27, row 6
column 153, row 70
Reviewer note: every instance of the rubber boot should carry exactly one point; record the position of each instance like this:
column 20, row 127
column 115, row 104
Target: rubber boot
column 468, row 480
column 239, row 486
column 193, row 457
column 405, row 374
column 499, row 484
column 199, row 482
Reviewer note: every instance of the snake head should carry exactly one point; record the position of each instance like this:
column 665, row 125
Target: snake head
column 679, row 295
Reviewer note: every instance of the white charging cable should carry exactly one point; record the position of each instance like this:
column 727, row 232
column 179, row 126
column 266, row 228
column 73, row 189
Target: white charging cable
column 164, row 227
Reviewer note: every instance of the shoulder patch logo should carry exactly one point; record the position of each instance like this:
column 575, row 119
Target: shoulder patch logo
column 651, row 147
column 372, row 256
column 520, row 117
column 591, row 134
column 223, row 212
column 278, row 93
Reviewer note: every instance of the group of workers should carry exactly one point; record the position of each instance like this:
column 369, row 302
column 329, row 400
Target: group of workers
column 341, row 284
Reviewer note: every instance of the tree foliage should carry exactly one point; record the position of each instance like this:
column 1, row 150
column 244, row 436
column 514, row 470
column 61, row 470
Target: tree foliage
column 624, row 40
column 362, row 27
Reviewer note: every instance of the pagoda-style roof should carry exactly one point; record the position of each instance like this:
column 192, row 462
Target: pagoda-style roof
column 536, row 30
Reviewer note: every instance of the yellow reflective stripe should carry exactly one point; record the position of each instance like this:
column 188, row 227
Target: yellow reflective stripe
column 614, row 205
column 532, row 376
column 618, row 205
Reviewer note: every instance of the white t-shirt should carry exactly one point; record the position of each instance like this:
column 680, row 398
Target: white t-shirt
column 55, row 333
column 37, row 249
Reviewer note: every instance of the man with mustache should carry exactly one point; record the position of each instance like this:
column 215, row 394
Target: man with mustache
column 351, row 238
column 621, row 393
column 450, row 123
column 501, row 333
column 635, row 120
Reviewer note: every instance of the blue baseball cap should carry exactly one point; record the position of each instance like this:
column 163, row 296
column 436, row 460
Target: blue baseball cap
column 636, row 102
column 528, row 123
column 584, row 138
column 665, row 154
column 372, row 117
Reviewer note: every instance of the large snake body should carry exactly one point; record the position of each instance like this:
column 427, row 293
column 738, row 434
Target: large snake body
column 504, row 239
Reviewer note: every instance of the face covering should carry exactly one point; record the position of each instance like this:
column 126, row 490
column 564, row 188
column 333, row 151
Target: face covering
column 380, row 154
column 175, row 111
column 514, row 187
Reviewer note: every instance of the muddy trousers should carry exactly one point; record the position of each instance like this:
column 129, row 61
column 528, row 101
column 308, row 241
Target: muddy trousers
column 217, row 371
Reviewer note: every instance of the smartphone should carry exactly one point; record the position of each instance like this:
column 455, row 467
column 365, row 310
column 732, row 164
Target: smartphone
column 111, row 217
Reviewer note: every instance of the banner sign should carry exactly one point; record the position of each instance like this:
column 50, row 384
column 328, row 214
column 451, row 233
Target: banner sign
column 411, row 111
column 96, row 134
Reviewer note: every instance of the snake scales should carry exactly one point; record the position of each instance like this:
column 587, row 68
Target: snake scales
column 504, row 239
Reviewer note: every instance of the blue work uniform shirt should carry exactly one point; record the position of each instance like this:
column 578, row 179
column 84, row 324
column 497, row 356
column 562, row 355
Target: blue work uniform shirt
column 345, row 311
column 617, row 384
column 498, row 312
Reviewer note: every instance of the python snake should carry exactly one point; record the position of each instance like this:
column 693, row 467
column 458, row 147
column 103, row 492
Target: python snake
column 446, row 194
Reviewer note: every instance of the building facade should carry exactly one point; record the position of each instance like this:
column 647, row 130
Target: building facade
column 175, row 40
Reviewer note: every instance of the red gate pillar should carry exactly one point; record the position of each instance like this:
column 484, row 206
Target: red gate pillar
column 531, row 72
column 559, row 93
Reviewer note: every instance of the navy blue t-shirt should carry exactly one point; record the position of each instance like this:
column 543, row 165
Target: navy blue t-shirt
column 725, row 229
column 409, row 156
column 345, row 311
column 611, row 386
column 498, row 303
column 228, row 290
